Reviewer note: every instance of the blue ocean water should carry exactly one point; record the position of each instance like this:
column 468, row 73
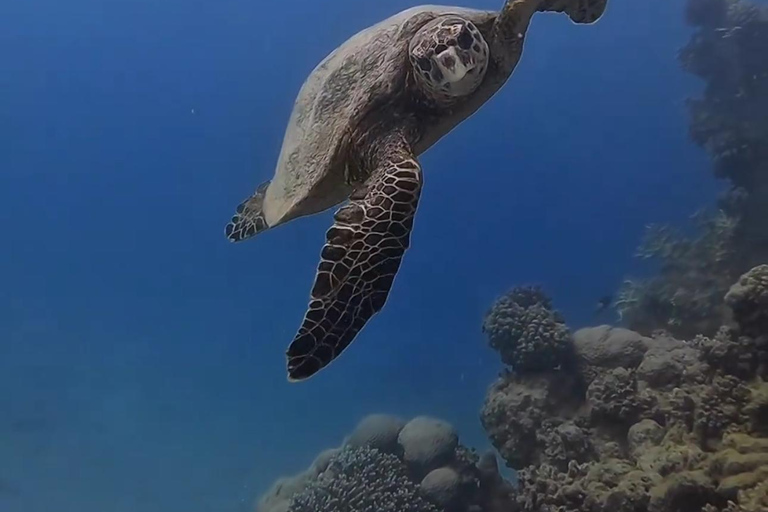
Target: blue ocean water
column 142, row 355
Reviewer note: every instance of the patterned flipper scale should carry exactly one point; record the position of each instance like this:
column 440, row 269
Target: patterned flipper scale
column 248, row 220
column 359, row 260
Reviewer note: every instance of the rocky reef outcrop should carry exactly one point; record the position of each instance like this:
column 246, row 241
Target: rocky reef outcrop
column 526, row 331
column 604, row 419
column 639, row 423
column 390, row 465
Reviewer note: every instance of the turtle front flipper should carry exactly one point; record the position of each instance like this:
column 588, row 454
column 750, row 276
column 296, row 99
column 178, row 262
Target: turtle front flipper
column 249, row 218
column 580, row 11
column 512, row 23
column 508, row 33
column 359, row 260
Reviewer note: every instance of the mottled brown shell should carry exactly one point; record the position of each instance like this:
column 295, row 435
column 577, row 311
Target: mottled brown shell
column 369, row 69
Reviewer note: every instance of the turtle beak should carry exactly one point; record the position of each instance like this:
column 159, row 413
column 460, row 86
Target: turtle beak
column 451, row 65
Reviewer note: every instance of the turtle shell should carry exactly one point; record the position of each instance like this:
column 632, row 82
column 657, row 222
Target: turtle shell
column 366, row 71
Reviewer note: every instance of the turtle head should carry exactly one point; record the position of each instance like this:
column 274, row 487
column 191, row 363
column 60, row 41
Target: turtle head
column 449, row 57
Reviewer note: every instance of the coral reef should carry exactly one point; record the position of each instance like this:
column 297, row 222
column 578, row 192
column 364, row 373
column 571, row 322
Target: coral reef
column 387, row 464
column 730, row 122
column 748, row 299
column 686, row 296
column 526, row 419
column 527, row 332
column 361, row 479
column 643, row 423
column 622, row 423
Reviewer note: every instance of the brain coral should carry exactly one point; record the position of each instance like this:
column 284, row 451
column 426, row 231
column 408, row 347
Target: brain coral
column 428, row 443
column 378, row 431
column 361, row 480
column 442, row 486
column 527, row 332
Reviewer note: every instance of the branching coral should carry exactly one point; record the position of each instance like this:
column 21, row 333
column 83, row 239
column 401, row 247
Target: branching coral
column 390, row 465
column 362, row 480
column 527, row 332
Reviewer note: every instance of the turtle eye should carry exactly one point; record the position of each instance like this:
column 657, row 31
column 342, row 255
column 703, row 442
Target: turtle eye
column 440, row 49
column 424, row 63
column 465, row 39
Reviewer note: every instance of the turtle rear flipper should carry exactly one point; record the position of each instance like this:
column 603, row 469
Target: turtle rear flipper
column 248, row 220
column 359, row 260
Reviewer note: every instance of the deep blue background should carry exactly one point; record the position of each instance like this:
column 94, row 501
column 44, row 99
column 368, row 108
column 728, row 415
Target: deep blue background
column 142, row 355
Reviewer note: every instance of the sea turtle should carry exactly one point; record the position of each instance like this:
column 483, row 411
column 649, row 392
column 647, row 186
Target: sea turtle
column 359, row 122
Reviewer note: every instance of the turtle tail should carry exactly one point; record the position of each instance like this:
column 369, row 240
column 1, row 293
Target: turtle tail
column 248, row 220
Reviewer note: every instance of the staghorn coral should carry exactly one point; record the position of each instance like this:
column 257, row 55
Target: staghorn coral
column 527, row 332
column 361, row 480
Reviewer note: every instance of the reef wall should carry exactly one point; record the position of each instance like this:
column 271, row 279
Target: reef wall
column 730, row 122
column 633, row 423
